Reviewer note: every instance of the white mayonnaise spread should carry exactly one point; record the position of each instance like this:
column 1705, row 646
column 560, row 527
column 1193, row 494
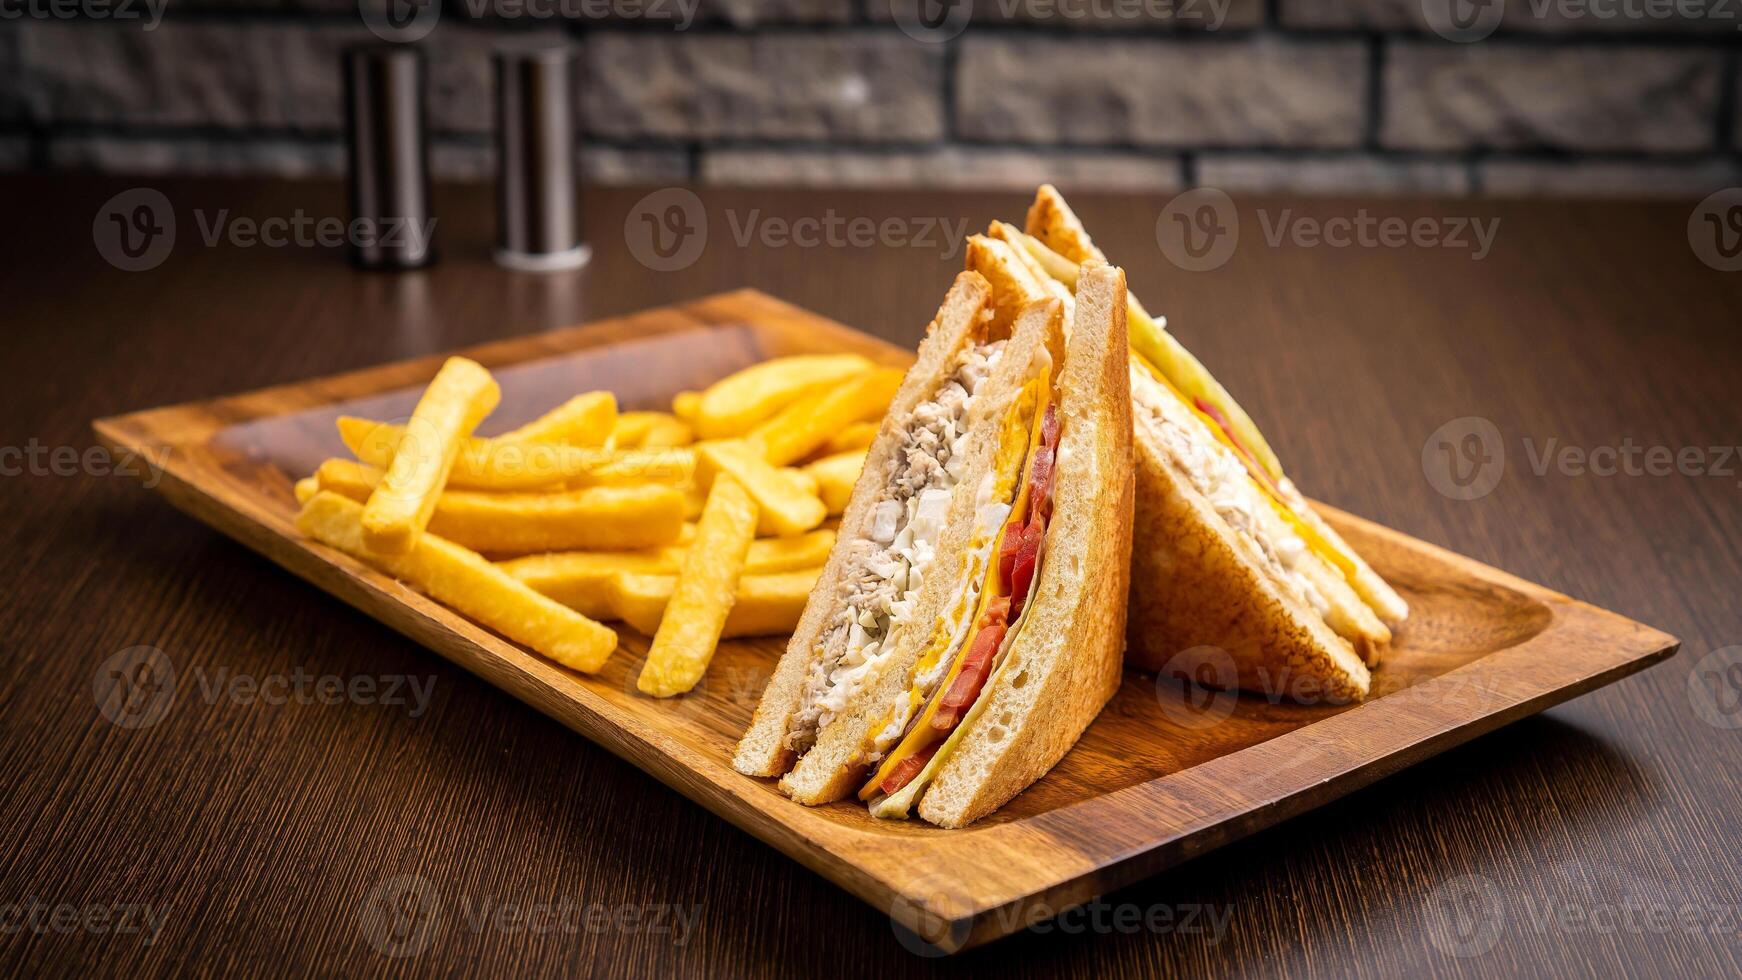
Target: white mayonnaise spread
column 886, row 569
column 1217, row 473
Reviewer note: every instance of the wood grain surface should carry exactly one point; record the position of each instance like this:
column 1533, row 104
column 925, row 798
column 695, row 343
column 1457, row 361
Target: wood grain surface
column 281, row 838
column 1166, row 771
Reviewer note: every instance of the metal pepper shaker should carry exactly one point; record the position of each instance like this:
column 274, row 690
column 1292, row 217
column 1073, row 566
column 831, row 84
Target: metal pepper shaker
column 538, row 227
column 387, row 155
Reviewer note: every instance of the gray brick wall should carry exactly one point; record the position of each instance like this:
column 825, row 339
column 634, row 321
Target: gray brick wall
column 1537, row 97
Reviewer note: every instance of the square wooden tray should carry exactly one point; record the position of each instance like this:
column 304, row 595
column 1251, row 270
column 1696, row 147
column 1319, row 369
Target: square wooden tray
column 1161, row 776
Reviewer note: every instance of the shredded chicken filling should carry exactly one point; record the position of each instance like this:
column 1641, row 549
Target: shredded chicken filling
column 885, row 569
column 1218, row 474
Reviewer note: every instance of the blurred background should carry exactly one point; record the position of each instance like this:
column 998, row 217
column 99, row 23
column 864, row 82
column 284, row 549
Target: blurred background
column 1441, row 97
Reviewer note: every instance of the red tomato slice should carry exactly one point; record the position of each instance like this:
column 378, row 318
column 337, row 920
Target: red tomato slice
column 908, row 768
column 1007, row 550
column 976, row 665
column 1040, row 479
column 1027, row 556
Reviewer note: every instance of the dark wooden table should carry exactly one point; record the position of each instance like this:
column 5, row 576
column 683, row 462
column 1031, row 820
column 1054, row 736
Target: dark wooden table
column 234, row 834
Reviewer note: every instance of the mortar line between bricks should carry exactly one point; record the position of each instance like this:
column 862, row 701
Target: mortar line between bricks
column 1643, row 37
column 1375, row 104
column 315, row 138
column 952, row 60
column 1724, row 137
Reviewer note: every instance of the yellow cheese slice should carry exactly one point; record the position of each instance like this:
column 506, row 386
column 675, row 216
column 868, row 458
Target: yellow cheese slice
column 1316, row 542
column 920, row 734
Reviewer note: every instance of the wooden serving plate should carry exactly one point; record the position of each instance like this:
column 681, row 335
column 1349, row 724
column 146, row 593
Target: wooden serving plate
column 1162, row 775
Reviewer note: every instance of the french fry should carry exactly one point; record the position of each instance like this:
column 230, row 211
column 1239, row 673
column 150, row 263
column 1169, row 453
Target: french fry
column 706, row 586
column 634, row 429
column 584, row 420
column 491, row 464
column 457, row 399
column 462, row 579
column 685, row 405
column 786, row 499
column 734, row 405
column 583, row 579
column 859, row 435
column 765, row 605
column 603, row 518
column 835, row 476
column 305, row 488
column 809, row 423
column 694, row 499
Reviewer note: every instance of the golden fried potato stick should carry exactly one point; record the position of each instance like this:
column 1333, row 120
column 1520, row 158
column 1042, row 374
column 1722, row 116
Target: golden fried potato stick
column 648, row 429
column 583, row 579
column 491, row 464
column 835, row 476
column 787, row 498
column 305, row 488
column 694, row 499
column 612, row 518
column 859, row 435
column 685, row 405
column 463, row 580
column 765, row 605
column 809, row 423
column 707, row 585
column 734, row 405
column 457, row 399
column 584, row 420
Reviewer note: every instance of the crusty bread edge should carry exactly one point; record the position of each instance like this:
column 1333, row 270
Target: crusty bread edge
column 1068, row 653
column 1192, row 587
column 834, row 766
column 761, row 750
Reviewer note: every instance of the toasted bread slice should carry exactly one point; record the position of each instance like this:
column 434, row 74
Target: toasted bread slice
column 835, row 765
column 1197, row 582
column 1170, row 614
column 965, row 312
column 1064, row 663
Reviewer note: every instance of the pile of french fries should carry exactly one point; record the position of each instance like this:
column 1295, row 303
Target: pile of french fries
column 713, row 520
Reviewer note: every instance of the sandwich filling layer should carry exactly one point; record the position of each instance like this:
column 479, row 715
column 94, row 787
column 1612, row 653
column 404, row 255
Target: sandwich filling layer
column 1218, row 473
column 971, row 643
column 885, row 569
